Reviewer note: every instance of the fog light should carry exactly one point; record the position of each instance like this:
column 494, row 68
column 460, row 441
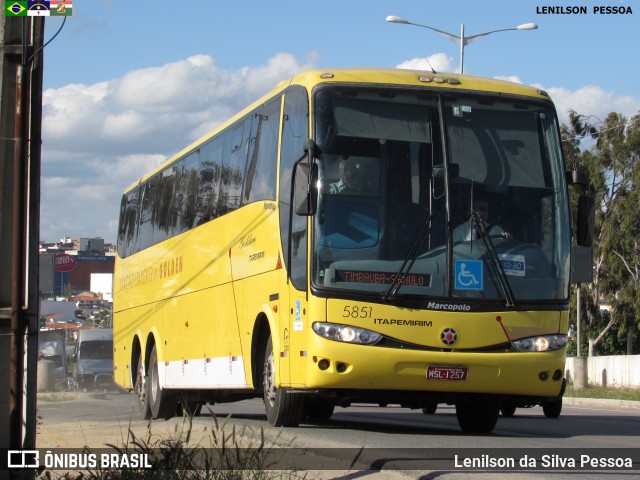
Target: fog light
column 543, row 376
column 341, row 367
column 557, row 375
column 323, row 364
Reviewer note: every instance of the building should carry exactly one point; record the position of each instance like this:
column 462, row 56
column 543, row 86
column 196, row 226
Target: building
column 66, row 266
column 89, row 246
column 63, row 274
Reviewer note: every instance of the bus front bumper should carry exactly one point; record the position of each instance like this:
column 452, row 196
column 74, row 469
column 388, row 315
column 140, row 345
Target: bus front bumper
column 342, row 365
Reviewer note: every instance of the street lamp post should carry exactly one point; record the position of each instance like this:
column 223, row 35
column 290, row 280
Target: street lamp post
column 461, row 40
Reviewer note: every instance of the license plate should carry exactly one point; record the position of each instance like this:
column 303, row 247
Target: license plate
column 436, row 372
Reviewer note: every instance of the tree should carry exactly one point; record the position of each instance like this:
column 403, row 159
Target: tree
column 578, row 158
column 613, row 169
column 618, row 145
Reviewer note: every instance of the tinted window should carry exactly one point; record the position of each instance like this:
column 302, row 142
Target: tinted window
column 232, row 169
column 209, row 180
column 293, row 228
column 236, row 167
column 128, row 223
column 260, row 177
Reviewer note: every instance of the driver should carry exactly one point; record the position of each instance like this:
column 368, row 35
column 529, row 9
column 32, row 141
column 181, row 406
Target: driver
column 347, row 170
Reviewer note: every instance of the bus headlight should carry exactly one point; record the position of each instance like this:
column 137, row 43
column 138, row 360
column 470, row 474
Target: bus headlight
column 543, row 343
column 346, row 333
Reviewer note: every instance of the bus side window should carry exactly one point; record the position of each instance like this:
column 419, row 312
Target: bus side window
column 209, row 180
column 293, row 228
column 232, row 171
column 260, row 177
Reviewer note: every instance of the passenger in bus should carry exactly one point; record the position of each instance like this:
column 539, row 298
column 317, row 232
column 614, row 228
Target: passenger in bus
column 468, row 229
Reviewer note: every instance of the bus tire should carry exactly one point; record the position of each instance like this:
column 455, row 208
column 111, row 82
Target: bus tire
column 162, row 403
column 283, row 409
column 140, row 389
column 478, row 416
column 552, row 409
column 508, row 410
column 429, row 408
column 319, row 409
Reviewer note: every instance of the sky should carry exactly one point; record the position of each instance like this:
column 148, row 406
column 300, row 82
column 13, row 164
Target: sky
column 129, row 83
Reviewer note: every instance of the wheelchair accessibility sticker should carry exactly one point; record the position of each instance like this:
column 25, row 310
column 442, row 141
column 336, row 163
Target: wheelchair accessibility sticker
column 468, row 275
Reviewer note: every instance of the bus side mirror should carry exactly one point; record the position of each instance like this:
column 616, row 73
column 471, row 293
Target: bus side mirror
column 585, row 221
column 305, row 188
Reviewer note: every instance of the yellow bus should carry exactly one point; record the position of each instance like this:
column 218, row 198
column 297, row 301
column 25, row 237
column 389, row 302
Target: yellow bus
column 330, row 244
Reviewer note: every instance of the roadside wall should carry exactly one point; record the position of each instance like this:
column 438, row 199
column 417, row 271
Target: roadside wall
column 611, row 371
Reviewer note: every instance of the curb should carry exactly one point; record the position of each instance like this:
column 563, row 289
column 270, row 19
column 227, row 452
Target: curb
column 601, row 402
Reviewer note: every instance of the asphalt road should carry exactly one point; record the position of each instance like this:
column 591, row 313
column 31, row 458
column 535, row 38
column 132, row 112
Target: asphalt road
column 398, row 443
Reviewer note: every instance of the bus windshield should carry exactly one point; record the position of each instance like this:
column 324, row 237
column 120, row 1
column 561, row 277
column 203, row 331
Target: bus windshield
column 456, row 196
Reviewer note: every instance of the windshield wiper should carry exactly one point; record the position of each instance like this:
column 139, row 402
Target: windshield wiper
column 410, row 258
column 483, row 233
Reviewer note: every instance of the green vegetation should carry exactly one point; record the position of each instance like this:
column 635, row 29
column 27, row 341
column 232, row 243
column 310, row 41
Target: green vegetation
column 604, row 392
column 607, row 151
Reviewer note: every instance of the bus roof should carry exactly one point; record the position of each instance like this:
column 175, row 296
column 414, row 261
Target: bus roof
column 380, row 76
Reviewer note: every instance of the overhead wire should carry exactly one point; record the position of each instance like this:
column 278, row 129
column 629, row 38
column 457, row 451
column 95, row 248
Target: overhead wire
column 47, row 43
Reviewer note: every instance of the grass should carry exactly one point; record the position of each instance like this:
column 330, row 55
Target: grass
column 604, row 392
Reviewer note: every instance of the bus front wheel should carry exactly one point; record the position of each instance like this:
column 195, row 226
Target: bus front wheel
column 162, row 403
column 552, row 409
column 478, row 415
column 283, row 409
column 319, row 409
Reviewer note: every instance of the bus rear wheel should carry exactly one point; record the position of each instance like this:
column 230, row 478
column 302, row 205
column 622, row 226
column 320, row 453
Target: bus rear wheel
column 140, row 389
column 283, row 409
column 478, row 415
column 162, row 403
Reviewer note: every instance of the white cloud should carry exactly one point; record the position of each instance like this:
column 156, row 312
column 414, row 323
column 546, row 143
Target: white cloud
column 174, row 87
column 592, row 100
column 509, row 78
column 440, row 62
column 73, row 111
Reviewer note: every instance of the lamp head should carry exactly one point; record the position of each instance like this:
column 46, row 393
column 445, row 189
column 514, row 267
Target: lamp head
column 527, row 26
column 394, row 19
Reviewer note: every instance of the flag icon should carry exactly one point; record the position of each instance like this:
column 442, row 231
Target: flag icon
column 38, row 8
column 15, row 9
column 60, row 8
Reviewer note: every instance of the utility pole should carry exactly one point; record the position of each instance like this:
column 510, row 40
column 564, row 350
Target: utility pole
column 21, row 72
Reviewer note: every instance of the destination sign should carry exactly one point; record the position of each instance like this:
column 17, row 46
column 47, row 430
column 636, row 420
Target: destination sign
column 362, row 276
